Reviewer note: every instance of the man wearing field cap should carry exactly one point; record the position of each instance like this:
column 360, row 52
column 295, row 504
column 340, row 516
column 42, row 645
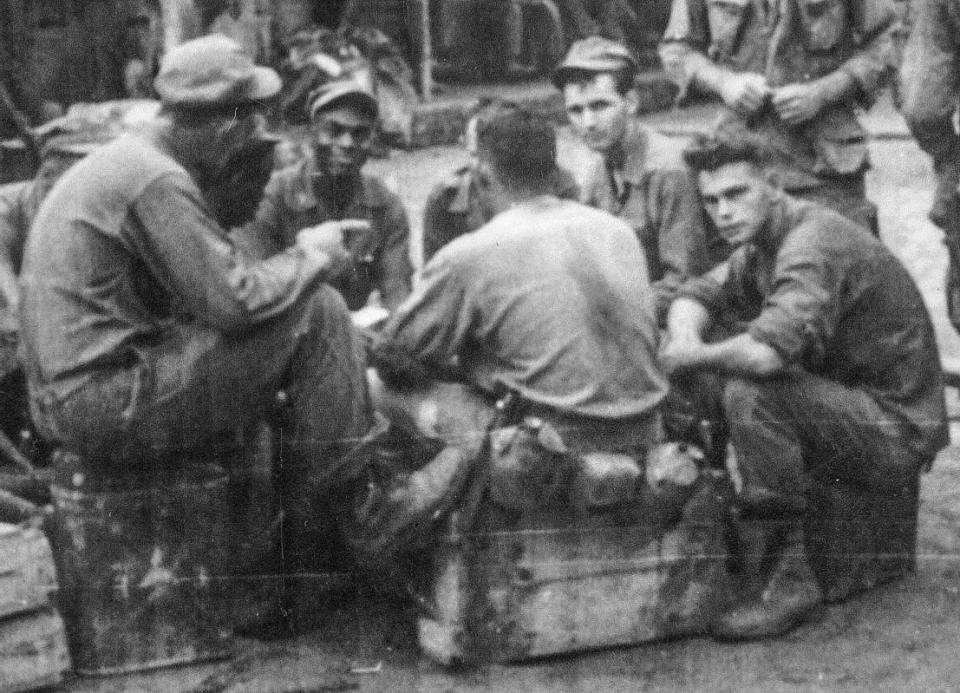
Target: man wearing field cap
column 641, row 178
column 146, row 332
column 330, row 185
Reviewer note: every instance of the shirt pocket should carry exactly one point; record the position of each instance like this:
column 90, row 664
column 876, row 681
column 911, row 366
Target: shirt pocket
column 727, row 19
column 823, row 23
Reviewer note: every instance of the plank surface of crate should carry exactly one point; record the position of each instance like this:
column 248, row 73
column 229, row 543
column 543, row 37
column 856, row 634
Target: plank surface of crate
column 33, row 644
column 27, row 573
column 33, row 651
column 567, row 586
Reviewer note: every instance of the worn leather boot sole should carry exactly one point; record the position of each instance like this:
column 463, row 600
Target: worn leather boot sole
column 762, row 619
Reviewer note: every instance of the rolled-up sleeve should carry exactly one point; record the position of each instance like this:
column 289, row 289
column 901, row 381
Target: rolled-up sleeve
column 198, row 263
column 799, row 316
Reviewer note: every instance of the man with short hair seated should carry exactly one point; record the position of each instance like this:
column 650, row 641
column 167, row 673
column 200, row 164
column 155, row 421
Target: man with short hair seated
column 548, row 301
column 837, row 374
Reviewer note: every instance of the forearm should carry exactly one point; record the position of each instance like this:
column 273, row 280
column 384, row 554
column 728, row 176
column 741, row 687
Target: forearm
column 213, row 280
column 687, row 320
column 836, row 87
column 741, row 355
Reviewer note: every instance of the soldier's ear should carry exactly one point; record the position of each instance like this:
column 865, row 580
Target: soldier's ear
column 633, row 101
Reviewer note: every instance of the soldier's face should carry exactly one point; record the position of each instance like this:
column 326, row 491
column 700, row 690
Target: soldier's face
column 597, row 112
column 737, row 197
column 342, row 140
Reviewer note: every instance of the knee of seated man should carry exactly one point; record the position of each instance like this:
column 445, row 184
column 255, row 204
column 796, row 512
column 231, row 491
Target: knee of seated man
column 325, row 310
column 744, row 394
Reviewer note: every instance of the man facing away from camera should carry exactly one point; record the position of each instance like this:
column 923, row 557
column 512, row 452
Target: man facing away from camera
column 548, row 301
column 836, row 375
column 642, row 178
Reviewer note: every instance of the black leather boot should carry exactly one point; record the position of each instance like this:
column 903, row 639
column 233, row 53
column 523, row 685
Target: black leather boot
column 788, row 598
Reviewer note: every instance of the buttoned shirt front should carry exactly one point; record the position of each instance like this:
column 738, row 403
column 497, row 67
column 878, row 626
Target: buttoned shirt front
column 791, row 41
column 838, row 305
column 292, row 201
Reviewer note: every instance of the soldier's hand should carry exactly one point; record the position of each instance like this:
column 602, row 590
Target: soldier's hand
column 335, row 240
column 745, row 92
column 798, row 103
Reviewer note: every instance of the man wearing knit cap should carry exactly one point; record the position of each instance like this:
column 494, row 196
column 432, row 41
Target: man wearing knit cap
column 146, row 332
column 330, row 185
column 642, row 178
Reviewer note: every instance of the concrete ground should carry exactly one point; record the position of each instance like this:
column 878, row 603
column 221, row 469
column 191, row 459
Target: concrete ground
column 899, row 637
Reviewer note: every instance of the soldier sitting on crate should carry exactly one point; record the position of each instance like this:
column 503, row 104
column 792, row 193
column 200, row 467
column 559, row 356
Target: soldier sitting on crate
column 148, row 336
column 837, row 374
column 548, row 301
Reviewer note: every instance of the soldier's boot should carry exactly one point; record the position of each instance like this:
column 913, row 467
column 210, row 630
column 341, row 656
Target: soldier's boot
column 789, row 596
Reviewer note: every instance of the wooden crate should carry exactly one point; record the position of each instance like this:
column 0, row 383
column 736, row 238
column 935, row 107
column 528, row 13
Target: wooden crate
column 27, row 573
column 33, row 651
column 138, row 559
column 858, row 539
column 567, row 584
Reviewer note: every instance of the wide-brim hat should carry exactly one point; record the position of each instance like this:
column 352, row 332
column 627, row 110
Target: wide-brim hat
column 213, row 71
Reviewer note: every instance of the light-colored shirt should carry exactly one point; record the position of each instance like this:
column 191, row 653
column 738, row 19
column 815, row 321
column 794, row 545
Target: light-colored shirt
column 550, row 299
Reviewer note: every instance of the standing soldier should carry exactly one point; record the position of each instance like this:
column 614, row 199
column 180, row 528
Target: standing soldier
column 793, row 72
column 930, row 84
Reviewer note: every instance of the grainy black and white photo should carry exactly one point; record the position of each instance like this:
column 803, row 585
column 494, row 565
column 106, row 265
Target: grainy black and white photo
column 453, row 346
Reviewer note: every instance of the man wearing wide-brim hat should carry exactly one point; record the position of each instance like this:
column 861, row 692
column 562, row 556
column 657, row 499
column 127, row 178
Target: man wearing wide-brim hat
column 331, row 185
column 147, row 332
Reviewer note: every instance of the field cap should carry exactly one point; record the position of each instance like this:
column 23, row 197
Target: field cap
column 341, row 90
column 594, row 54
column 213, row 71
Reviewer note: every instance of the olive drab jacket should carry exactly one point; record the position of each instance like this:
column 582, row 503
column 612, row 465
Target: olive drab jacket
column 791, row 41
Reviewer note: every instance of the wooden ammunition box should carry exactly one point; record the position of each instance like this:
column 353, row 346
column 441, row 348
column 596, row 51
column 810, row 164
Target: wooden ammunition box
column 563, row 583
